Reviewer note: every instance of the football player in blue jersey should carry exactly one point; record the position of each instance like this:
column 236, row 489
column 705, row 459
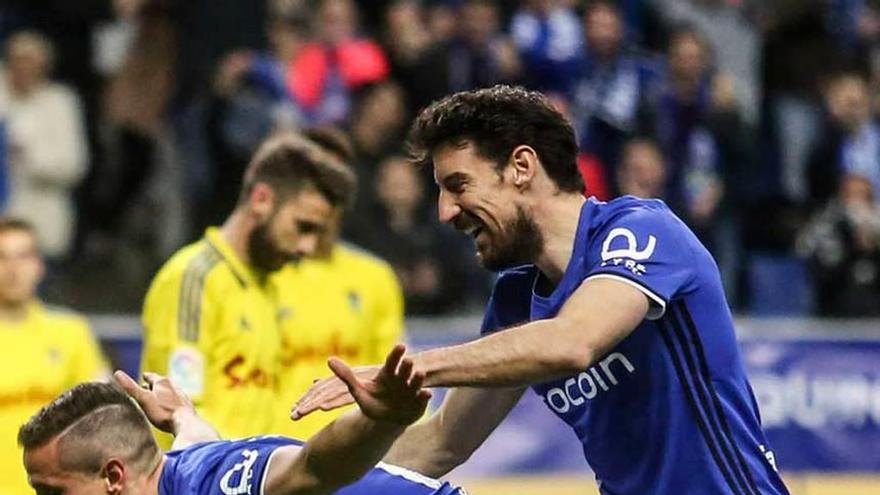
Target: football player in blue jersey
column 95, row 440
column 612, row 312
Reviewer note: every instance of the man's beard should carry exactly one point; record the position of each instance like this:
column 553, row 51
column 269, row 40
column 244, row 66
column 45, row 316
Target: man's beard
column 517, row 244
column 263, row 253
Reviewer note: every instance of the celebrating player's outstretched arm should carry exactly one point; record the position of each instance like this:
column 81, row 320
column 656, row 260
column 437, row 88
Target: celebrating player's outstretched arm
column 339, row 454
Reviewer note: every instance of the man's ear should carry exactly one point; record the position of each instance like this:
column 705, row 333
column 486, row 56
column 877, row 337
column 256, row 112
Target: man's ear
column 261, row 200
column 524, row 163
column 114, row 474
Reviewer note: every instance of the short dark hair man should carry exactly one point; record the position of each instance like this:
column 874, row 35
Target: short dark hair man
column 613, row 313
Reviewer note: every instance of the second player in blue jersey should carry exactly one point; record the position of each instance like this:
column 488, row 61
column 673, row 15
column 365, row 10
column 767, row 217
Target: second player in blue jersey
column 614, row 313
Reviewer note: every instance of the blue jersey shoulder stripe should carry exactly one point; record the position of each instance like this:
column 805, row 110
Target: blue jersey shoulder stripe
column 689, row 394
column 697, row 343
column 703, row 393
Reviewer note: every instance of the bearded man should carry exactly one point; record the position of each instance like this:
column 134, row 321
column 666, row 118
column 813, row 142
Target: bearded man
column 210, row 316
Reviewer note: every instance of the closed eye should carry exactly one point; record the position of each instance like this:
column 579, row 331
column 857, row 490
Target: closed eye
column 455, row 182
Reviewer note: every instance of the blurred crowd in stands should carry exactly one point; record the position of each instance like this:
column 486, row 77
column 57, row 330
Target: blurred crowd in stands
column 126, row 125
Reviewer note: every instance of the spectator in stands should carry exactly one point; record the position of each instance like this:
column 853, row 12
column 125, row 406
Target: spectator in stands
column 694, row 116
column 689, row 116
column 548, row 36
column 442, row 20
column 427, row 258
column 642, row 171
column 376, row 129
column 250, row 101
column 343, row 302
column 842, row 245
column 732, row 30
column 46, row 351
column 406, row 35
column 478, row 54
column 798, row 53
column 414, row 53
column 46, row 143
column 613, row 80
column 323, row 76
column 481, row 55
column 850, row 142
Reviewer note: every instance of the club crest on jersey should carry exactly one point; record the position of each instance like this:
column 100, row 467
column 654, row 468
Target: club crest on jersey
column 237, row 481
column 629, row 254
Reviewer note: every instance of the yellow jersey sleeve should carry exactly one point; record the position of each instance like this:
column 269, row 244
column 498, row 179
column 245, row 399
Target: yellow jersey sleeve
column 386, row 317
column 177, row 311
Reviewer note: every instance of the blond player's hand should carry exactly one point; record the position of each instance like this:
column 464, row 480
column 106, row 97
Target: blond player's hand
column 162, row 402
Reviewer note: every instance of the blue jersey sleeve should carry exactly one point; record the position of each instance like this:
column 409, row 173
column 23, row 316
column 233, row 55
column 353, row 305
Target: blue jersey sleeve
column 509, row 303
column 646, row 246
column 230, row 467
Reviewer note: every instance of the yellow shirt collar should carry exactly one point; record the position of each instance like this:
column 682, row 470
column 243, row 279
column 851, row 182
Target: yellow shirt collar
column 244, row 272
column 34, row 311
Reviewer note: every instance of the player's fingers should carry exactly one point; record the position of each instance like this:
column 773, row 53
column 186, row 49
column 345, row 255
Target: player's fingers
column 152, row 378
column 405, row 370
column 343, row 371
column 415, row 383
column 128, row 384
column 324, row 403
column 393, row 359
column 338, row 402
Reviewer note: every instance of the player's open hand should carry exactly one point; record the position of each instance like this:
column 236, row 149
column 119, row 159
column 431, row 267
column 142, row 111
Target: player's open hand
column 160, row 400
column 330, row 393
column 394, row 394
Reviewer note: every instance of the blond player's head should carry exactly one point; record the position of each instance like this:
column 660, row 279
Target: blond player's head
column 21, row 266
column 92, row 439
column 292, row 189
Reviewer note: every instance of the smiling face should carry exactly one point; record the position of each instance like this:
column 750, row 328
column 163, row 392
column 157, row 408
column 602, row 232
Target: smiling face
column 483, row 202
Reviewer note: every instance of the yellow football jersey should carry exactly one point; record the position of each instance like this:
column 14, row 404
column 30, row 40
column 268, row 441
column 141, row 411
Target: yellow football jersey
column 47, row 353
column 210, row 324
column 349, row 305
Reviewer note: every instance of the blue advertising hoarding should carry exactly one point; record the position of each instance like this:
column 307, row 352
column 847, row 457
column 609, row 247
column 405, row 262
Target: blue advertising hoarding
column 817, row 384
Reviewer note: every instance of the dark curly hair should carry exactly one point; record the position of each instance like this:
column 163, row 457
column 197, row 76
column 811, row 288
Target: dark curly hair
column 497, row 120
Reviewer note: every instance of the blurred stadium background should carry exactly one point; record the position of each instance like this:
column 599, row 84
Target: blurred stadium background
column 125, row 126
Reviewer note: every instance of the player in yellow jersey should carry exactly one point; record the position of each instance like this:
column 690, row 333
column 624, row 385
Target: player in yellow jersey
column 210, row 316
column 45, row 351
column 342, row 302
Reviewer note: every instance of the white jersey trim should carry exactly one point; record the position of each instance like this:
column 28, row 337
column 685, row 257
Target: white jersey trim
column 410, row 475
column 656, row 311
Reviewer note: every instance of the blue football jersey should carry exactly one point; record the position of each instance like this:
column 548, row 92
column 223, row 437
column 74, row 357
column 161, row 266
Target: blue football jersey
column 669, row 410
column 239, row 467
